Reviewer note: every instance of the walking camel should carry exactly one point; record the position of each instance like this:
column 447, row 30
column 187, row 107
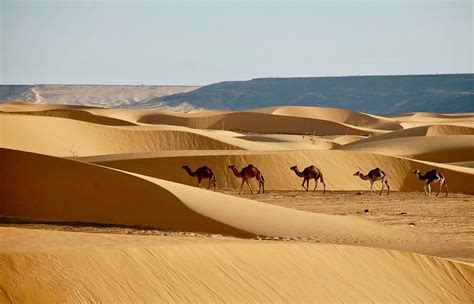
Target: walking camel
column 430, row 177
column 311, row 172
column 375, row 175
column 201, row 173
column 247, row 173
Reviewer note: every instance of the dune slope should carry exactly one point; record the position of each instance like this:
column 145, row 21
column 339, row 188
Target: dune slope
column 441, row 149
column 111, row 268
column 43, row 187
column 338, row 168
column 53, row 136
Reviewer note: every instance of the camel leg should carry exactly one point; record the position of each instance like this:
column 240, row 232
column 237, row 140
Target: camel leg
column 446, row 187
column 199, row 182
column 241, row 186
column 248, row 184
column 381, row 190
column 324, row 187
column 388, row 187
column 440, row 187
column 371, row 186
column 428, row 187
column 315, row 184
column 304, row 181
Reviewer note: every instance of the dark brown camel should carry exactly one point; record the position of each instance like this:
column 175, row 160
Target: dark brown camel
column 311, row 172
column 375, row 175
column 430, row 177
column 201, row 173
column 247, row 173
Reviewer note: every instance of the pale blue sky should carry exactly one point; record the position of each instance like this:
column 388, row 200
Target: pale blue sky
column 201, row 42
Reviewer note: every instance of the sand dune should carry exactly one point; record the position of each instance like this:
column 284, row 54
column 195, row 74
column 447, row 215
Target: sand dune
column 338, row 168
column 425, row 130
column 329, row 122
column 334, row 114
column 123, row 167
column 88, row 193
column 81, row 115
column 85, row 267
column 52, row 136
column 442, row 149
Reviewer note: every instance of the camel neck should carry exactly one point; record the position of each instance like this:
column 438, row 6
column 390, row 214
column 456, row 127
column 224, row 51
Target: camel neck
column 190, row 172
column 421, row 177
column 364, row 177
column 300, row 174
column 236, row 172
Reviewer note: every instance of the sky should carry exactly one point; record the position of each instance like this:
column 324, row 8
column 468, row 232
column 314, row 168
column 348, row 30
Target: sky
column 203, row 42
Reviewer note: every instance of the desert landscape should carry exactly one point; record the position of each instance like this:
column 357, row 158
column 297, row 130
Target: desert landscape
column 96, row 207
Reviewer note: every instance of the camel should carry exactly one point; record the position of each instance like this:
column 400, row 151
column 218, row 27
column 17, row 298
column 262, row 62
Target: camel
column 247, row 173
column 311, row 172
column 375, row 175
column 430, row 177
column 201, row 173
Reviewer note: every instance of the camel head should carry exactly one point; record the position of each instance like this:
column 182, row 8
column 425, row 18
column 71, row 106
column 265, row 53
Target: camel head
column 294, row 168
column 231, row 166
column 185, row 167
column 357, row 173
column 415, row 171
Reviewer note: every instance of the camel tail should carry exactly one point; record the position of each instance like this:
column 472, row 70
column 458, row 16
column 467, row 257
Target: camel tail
column 262, row 178
column 321, row 177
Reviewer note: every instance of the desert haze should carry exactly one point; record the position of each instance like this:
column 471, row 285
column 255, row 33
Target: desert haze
column 96, row 207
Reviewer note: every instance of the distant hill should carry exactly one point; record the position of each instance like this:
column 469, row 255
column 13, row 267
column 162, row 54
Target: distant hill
column 110, row 96
column 372, row 94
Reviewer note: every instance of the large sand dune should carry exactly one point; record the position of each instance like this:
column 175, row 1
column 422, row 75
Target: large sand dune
column 84, row 267
column 122, row 168
column 88, row 193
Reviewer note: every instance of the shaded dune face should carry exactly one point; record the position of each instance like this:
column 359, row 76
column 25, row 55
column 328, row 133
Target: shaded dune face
column 66, row 190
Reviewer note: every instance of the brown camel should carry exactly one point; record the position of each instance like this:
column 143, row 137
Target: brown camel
column 311, row 172
column 201, row 173
column 247, row 173
column 375, row 175
column 430, row 177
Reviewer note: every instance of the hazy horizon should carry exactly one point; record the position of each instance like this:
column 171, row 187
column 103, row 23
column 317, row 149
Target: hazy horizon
column 190, row 43
column 231, row 80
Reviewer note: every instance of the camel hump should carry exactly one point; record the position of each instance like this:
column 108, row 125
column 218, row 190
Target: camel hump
column 375, row 171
